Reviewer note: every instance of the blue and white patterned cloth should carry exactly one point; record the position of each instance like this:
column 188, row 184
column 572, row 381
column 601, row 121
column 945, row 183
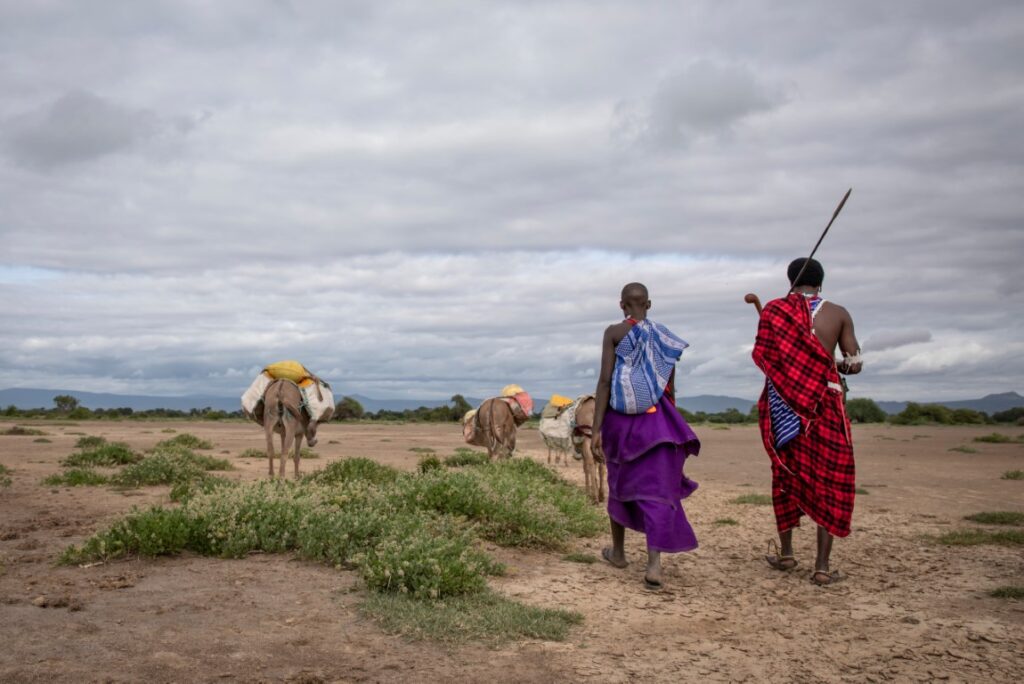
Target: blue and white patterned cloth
column 643, row 365
column 785, row 422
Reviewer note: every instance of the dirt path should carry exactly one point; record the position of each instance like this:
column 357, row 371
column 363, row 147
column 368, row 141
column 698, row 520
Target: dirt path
column 909, row 610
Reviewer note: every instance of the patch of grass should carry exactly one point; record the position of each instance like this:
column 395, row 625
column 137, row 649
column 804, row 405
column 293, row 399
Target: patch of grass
column 715, row 426
column 466, row 457
column 169, row 430
column 753, row 499
column 421, row 450
column 90, row 442
column 42, row 440
column 306, row 452
column 861, row 490
column 577, row 557
column 1013, row 475
column 485, row 617
column 107, row 454
column 333, row 441
column 185, row 440
column 726, row 521
column 964, row 449
column 355, row 469
column 76, row 477
column 5, row 476
column 996, row 438
column 428, row 463
column 18, row 431
column 253, row 453
column 997, row 518
column 1008, row 592
column 975, row 537
column 168, row 467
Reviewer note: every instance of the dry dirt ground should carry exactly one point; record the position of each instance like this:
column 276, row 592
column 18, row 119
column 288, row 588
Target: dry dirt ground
column 909, row 610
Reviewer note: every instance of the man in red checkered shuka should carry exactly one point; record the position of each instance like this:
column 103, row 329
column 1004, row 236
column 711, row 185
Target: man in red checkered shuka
column 802, row 415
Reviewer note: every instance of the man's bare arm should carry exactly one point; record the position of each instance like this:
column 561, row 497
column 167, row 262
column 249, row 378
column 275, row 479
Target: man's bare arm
column 848, row 345
column 604, row 386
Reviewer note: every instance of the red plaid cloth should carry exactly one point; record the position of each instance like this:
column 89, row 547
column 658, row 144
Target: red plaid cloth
column 813, row 473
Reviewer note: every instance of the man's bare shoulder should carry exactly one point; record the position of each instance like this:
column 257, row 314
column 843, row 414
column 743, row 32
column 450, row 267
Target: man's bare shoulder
column 836, row 309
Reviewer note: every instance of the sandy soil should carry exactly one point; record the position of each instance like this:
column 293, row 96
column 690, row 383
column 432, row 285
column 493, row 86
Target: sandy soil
column 909, row 611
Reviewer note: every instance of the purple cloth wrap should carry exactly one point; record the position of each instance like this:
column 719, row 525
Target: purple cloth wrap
column 646, row 485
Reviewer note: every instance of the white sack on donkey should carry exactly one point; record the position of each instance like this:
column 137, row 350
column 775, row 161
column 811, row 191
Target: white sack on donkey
column 288, row 399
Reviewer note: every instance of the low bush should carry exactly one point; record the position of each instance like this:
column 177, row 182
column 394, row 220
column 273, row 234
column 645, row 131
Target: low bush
column 253, row 453
column 76, row 477
column 5, row 476
column 18, row 431
column 1013, row 475
column 106, row 454
column 428, row 463
column 466, row 457
column 185, row 440
column 726, row 521
column 995, row 438
column 90, row 442
column 1009, row 592
column 355, row 469
column 584, row 558
column 168, row 467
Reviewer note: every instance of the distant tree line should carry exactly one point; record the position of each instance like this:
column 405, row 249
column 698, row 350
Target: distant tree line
column 861, row 410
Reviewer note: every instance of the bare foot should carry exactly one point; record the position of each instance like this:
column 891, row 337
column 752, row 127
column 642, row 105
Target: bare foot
column 617, row 560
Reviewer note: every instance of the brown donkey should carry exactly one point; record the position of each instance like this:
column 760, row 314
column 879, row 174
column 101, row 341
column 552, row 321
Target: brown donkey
column 593, row 467
column 283, row 414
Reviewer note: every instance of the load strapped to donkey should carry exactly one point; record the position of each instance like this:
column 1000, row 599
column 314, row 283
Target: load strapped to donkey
column 317, row 399
column 493, row 424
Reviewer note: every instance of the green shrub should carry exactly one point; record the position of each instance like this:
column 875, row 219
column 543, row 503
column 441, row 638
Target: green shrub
column 90, row 442
column 1009, row 592
column 466, row 457
column 429, row 463
column 5, row 476
column 864, row 410
column 168, row 467
column 18, row 431
column 42, row 440
column 995, row 438
column 253, row 453
column 185, row 440
column 76, row 477
column 107, row 454
column 1013, row 475
column 350, row 469
column 997, row 518
column 726, row 521
column 157, row 531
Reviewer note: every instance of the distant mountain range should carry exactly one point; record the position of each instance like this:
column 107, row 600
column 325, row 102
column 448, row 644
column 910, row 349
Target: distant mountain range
column 25, row 398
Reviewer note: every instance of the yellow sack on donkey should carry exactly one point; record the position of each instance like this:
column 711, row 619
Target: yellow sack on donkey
column 288, row 370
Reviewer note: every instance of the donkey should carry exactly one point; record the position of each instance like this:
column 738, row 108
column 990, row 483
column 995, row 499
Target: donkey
column 494, row 426
column 593, row 468
column 283, row 414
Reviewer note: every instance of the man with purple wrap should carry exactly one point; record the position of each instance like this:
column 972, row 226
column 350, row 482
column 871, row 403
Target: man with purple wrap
column 643, row 438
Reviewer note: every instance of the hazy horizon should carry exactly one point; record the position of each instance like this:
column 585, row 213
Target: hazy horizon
column 423, row 200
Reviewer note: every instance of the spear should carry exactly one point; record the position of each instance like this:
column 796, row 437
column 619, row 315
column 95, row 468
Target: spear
column 752, row 298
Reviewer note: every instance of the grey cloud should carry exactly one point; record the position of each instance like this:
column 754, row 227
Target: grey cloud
column 893, row 339
column 704, row 98
column 81, row 126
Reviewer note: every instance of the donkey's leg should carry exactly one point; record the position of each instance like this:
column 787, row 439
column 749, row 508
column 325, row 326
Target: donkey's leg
column 268, row 428
column 299, row 434
column 286, row 441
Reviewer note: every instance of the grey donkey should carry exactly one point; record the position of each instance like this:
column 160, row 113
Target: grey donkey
column 283, row 414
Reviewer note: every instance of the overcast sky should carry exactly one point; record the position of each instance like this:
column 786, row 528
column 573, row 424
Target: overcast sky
column 417, row 199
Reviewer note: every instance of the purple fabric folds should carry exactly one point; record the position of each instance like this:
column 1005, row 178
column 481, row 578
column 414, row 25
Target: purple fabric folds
column 646, row 454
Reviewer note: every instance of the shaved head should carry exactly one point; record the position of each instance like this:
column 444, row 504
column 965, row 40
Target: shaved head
column 635, row 291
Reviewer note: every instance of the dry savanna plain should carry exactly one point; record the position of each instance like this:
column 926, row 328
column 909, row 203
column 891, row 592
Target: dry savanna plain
column 910, row 609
